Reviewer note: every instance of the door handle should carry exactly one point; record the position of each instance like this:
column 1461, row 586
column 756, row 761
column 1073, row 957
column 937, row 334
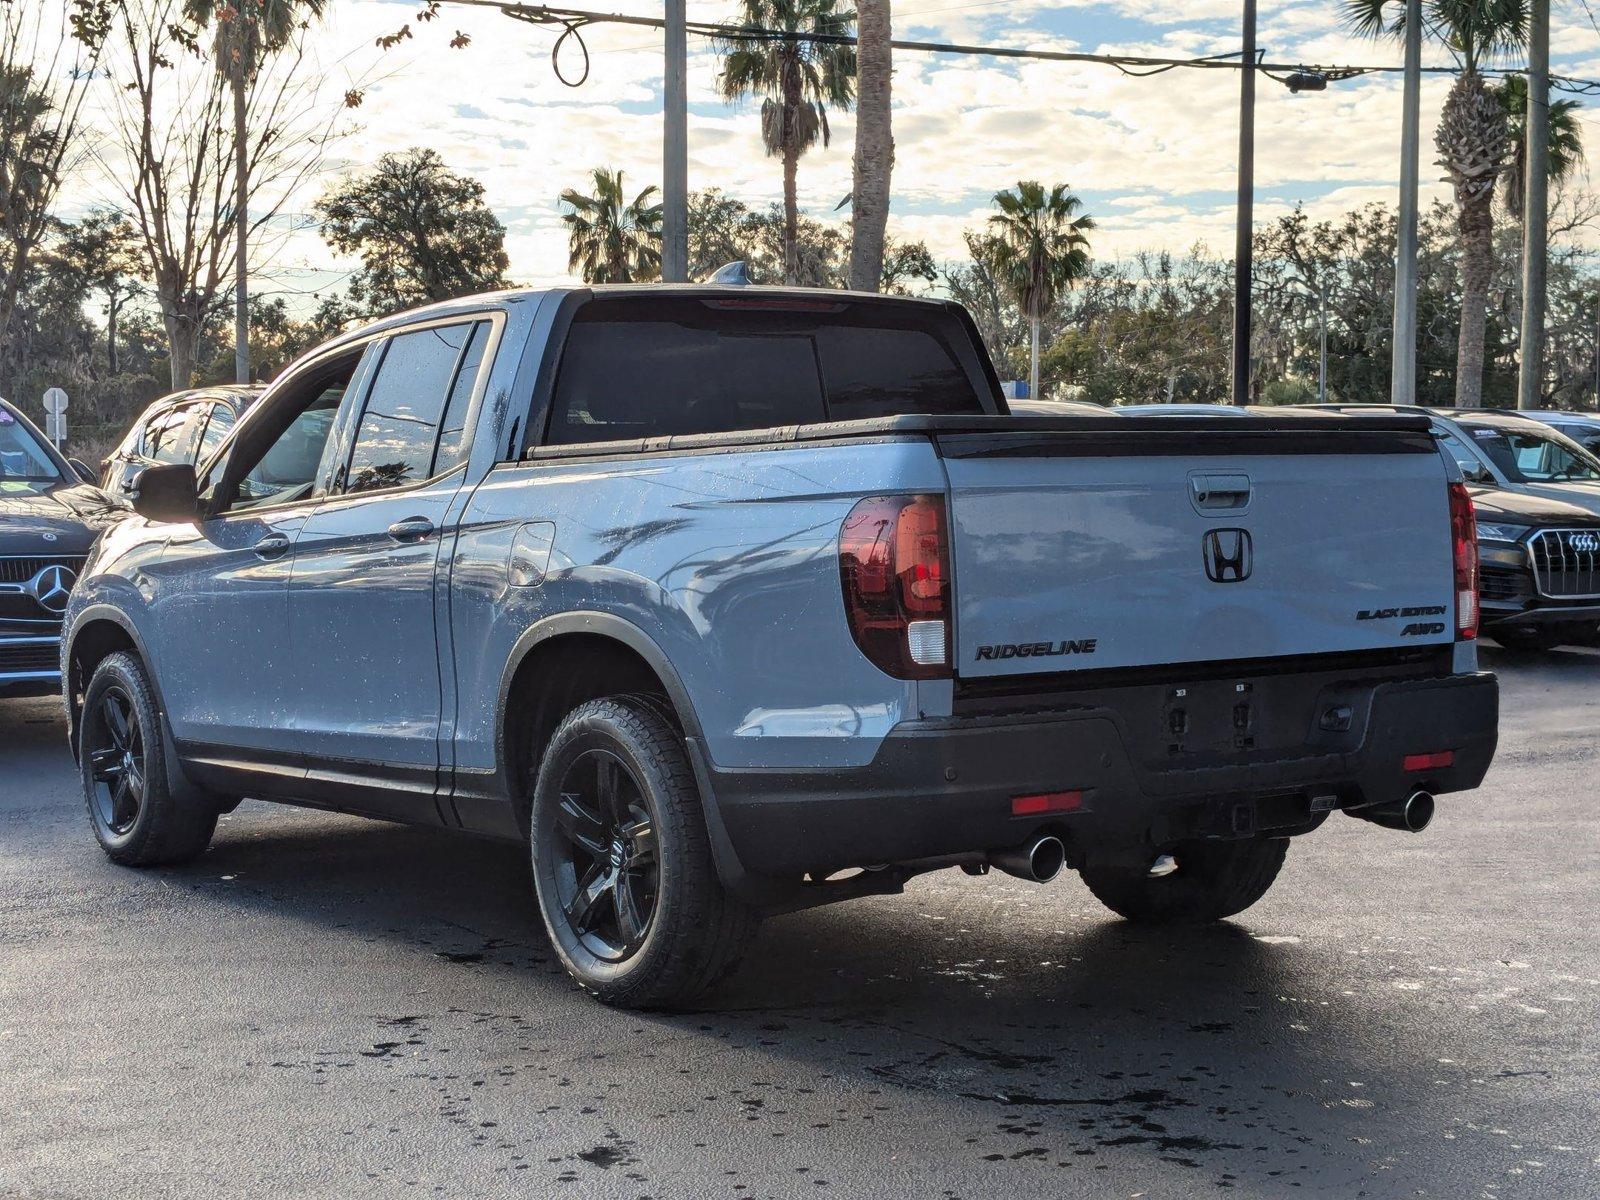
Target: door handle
column 274, row 545
column 1220, row 491
column 412, row 529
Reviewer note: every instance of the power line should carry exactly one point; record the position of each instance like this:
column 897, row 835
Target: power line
column 572, row 22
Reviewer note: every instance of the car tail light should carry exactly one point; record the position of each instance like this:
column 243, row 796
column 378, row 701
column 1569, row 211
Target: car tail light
column 894, row 563
column 1464, row 537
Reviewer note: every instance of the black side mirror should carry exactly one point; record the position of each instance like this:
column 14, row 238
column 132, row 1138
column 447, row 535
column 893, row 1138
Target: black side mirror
column 83, row 470
column 167, row 493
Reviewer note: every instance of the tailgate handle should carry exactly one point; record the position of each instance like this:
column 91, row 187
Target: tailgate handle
column 1220, row 493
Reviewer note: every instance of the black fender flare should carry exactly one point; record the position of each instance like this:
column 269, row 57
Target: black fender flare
column 600, row 624
column 730, row 870
column 96, row 612
column 177, row 779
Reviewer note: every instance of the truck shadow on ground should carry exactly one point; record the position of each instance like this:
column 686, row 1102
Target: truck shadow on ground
column 1032, row 1029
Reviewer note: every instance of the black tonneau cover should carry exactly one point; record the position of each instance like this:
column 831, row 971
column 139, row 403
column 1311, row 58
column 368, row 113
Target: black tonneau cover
column 1068, row 435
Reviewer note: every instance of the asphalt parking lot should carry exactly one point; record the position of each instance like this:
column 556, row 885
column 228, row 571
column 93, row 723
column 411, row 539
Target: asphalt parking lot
column 323, row 1006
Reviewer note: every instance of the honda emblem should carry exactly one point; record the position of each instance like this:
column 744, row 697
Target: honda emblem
column 1229, row 555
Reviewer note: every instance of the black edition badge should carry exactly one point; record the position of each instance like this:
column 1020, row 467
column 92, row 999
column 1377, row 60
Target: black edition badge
column 1229, row 554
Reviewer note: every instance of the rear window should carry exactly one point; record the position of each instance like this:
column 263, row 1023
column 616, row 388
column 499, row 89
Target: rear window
column 654, row 368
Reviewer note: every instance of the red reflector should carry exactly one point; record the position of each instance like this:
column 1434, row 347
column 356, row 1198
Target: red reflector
column 1046, row 802
column 1429, row 762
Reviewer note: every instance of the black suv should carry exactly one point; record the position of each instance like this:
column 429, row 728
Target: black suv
column 49, row 515
column 1539, row 572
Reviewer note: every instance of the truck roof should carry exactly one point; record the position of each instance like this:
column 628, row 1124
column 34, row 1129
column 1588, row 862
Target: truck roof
column 524, row 295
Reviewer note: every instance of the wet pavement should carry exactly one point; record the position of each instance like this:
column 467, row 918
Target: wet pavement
column 324, row 1006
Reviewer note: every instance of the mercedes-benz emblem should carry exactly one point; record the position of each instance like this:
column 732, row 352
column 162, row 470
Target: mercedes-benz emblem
column 51, row 587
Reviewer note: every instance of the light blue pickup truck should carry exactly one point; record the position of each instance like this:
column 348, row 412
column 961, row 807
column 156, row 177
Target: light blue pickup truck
column 732, row 601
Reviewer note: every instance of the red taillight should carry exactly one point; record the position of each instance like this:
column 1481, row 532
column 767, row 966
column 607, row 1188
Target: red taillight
column 1464, row 537
column 894, row 562
column 1435, row 761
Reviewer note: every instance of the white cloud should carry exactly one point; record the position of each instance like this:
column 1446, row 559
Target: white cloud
column 1153, row 157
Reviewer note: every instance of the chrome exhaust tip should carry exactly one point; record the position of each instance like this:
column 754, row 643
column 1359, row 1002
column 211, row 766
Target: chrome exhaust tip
column 1038, row 861
column 1411, row 815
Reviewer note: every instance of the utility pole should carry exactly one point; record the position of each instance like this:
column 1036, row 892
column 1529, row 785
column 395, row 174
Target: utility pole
column 675, row 149
column 1242, row 272
column 1403, row 365
column 1535, row 206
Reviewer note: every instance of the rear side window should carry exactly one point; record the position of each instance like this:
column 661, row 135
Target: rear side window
column 399, row 430
column 216, row 429
column 655, row 368
column 452, row 449
column 170, row 438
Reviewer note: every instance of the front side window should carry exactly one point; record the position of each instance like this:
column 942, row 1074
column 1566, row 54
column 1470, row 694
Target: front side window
column 278, row 456
column 1528, row 457
column 288, row 470
column 22, row 458
column 399, row 431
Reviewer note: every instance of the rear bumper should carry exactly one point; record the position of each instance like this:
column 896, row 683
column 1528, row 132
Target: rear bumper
column 945, row 787
column 30, row 665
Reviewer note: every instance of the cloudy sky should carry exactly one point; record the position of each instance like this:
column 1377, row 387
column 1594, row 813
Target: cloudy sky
column 1153, row 158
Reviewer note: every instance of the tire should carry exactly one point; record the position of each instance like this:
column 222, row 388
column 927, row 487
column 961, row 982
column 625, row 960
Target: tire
column 622, row 864
column 1532, row 640
column 1213, row 880
column 135, row 815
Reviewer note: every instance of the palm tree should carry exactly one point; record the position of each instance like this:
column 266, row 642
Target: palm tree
column 1040, row 248
column 246, row 31
column 612, row 240
column 1564, row 131
column 1473, row 140
column 798, row 80
column 874, row 158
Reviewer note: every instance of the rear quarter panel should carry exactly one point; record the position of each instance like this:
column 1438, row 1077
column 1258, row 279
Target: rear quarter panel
column 727, row 562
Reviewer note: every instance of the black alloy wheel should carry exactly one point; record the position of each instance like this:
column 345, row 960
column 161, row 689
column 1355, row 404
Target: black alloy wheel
column 607, row 872
column 114, row 742
column 141, row 815
column 622, row 863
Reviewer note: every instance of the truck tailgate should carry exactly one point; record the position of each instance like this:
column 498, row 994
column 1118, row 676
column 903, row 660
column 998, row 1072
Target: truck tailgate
column 1172, row 540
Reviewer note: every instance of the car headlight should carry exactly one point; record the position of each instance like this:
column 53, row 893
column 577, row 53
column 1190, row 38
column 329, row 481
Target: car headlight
column 1501, row 533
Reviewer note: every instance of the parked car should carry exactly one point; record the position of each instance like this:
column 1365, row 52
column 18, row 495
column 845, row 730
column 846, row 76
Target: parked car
column 184, row 427
column 1581, row 427
column 1183, row 410
column 48, row 517
column 1054, row 408
column 730, row 601
column 1538, row 493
